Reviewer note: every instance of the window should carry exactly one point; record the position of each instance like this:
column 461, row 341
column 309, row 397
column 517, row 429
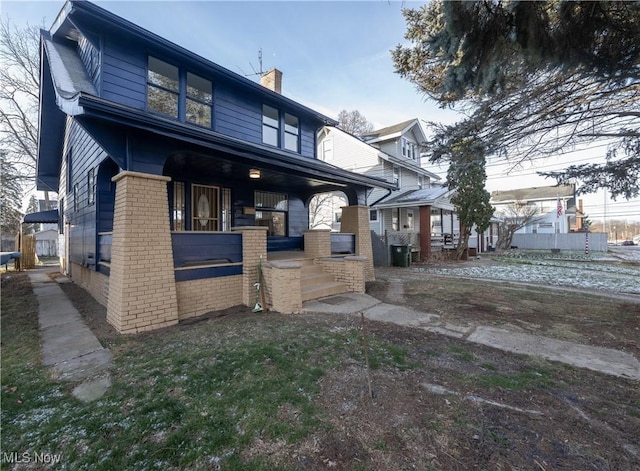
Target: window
column 271, row 212
column 327, row 150
column 291, row 132
column 91, row 187
column 178, row 211
column 410, row 225
column 270, row 125
column 420, row 181
column 226, row 209
column 396, row 175
column 163, row 87
column 373, row 215
column 408, row 149
column 199, row 99
column 205, row 208
column 337, row 216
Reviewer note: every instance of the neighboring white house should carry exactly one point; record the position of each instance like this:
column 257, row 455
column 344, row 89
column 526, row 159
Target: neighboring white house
column 556, row 204
column 419, row 212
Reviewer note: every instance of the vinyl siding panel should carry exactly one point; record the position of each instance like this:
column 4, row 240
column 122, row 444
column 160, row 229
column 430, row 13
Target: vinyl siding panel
column 85, row 154
column 350, row 154
column 124, row 74
column 307, row 140
column 237, row 115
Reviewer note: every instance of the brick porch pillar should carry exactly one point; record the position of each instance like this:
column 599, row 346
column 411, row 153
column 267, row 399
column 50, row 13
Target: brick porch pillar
column 355, row 220
column 142, row 290
column 425, row 233
column 317, row 243
column 254, row 244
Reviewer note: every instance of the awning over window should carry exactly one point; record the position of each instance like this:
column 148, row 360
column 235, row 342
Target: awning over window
column 50, row 216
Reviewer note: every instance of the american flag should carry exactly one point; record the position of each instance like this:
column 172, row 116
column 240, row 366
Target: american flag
column 559, row 207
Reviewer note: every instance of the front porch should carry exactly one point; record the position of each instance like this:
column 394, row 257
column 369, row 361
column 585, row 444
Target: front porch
column 150, row 276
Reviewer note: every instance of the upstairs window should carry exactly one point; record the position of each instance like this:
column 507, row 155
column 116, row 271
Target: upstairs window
column 420, row 181
column 280, row 129
column 408, row 149
column 396, row 175
column 291, row 132
column 270, row 125
column 163, row 87
column 199, row 99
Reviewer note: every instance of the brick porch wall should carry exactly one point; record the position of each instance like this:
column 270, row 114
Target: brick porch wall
column 355, row 219
column 198, row 297
column 317, row 243
column 97, row 284
column 348, row 270
column 254, row 245
column 283, row 286
column 142, row 289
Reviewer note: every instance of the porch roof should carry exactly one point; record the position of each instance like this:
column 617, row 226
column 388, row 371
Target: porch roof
column 50, row 216
column 437, row 197
column 314, row 173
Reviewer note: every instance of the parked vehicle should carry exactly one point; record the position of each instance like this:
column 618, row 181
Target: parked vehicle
column 628, row 242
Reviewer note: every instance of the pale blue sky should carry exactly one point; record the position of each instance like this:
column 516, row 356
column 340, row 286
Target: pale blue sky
column 333, row 55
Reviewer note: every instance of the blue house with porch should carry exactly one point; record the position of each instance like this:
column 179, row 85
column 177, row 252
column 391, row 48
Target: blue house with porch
column 177, row 178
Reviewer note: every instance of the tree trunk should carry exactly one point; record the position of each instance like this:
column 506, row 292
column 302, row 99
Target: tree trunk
column 463, row 243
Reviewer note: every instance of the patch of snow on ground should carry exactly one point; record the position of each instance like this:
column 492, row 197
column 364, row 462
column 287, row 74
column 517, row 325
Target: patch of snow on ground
column 585, row 275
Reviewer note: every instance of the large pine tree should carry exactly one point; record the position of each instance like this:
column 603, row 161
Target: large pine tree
column 536, row 79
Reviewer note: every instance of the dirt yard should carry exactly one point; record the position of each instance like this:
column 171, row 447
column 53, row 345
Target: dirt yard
column 450, row 405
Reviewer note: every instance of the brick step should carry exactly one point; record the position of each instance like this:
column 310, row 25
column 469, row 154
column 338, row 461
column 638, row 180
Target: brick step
column 323, row 290
column 315, row 278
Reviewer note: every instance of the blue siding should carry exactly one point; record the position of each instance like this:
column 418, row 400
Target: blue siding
column 193, row 247
column 80, row 214
column 308, row 140
column 124, row 73
column 88, row 54
column 207, row 272
column 236, row 114
column 275, row 244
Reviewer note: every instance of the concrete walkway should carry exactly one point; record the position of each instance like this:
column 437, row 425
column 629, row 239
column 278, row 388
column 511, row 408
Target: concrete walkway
column 75, row 354
column 603, row 360
column 68, row 345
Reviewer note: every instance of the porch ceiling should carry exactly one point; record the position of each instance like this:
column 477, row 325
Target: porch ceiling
column 190, row 165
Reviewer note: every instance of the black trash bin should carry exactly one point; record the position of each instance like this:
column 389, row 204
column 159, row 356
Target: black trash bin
column 401, row 255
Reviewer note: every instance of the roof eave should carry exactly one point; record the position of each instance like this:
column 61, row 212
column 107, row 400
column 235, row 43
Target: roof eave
column 158, row 41
column 103, row 109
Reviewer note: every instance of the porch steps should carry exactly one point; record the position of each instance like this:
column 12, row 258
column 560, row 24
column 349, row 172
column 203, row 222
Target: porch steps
column 315, row 283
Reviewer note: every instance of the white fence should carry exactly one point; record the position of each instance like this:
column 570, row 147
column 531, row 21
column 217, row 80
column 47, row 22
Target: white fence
column 570, row 241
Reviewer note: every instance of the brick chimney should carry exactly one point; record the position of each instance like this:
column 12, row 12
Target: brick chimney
column 272, row 80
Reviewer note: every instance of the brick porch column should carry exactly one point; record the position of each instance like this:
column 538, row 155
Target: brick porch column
column 425, row 233
column 254, row 244
column 142, row 290
column 317, row 243
column 355, row 219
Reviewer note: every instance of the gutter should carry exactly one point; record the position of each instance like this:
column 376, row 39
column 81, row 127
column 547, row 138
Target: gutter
column 382, row 197
column 275, row 158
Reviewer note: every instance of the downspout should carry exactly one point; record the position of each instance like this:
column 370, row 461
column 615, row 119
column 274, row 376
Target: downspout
column 381, row 198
